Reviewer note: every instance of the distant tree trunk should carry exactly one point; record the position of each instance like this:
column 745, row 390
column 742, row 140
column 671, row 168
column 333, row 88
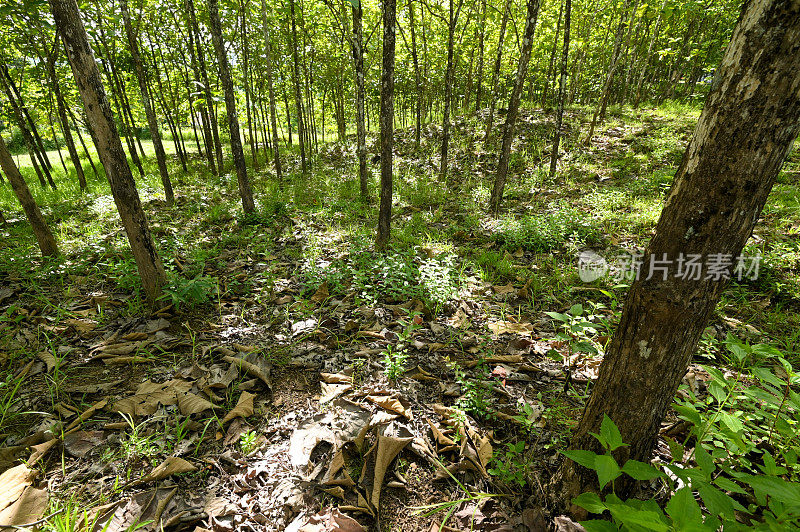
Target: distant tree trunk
column 83, row 143
column 26, row 116
column 513, row 106
column 387, row 123
column 448, row 89
column 205, row 110
column 301, row 130
column 646, row 60
column 61, row 109
column 612, row 68
column 273, row 113
column 562, row 86
column 417, row 74
column 47, row 244
column 247, row 89
column 718, row 193
column 100, row 119
column 230, row 105
column 498, row 62
column 481, row 43
column 152, row 121
column 357, row 43
column 551, row 64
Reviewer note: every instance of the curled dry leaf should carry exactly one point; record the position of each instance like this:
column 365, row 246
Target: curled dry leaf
column 28, row 508
column 392, row 404
column 243, row 408
column 171, row 466
column 330, row 520
column 503, row 327
column 13, row 482
column 257, row 368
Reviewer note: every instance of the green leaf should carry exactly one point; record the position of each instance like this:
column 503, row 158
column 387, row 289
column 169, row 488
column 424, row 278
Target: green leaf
column 683, row 509
column 607, row 469
column 576, row 310
column 734, row 423
column 717, row 502
column 584, row 458
column 786, row 492
column 597, row 525
column 640, row 471
column 610, row 432
column 591, row 502
column 557, row 316
column 728, row 485
column 688, row 413
column 704, row 460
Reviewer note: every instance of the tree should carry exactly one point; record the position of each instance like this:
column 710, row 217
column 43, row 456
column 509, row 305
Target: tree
column 47, row 244
column 101, row 121
column 152, row 121
column 387, row 122
column 513, row 106
column 301, row 125
column 748, row 124
column 452, row 20
column 498, row 63
column 357, row 44
column 230, row 105
column 562, row 82
column 271, row 89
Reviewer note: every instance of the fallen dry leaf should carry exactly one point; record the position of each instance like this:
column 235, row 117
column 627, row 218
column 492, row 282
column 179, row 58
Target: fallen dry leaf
column 171, row 466
column 30, row 507
column 243, row 408
column 503, row 327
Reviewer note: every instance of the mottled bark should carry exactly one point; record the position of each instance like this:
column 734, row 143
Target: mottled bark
column 298, row 99
column 748, row 124
column 513, row 106
column 47, row 244
column 387, row 122
column 101, row 121
column 230, row 106
column 152, row 121
column 562, row 86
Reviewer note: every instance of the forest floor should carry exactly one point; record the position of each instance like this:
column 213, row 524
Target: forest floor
column 291, row 370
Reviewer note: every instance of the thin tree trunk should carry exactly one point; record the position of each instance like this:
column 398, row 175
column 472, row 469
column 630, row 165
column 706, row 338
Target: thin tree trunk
column 481, row 45
column 152, row 121
column 83, row 142
column 551, row 64
column 387, row 123
column 448, row 89
column 513, row 106
column 498, row 62
column 247, row 89
column 562, row 88
column 719, row 191
column 297, row 93
column 245, row 191
column 646, row 60
column 61, row 109
column 357, row 43
column 47, row 244
column 273, row 113
column 123, row 188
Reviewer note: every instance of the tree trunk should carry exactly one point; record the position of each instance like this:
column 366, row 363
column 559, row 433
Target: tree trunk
column 562, row 82
column 551, row 64
column 230, row 106
column 297, row 93
column 417, row 74
column 152, row 121
column 247, row 89
column 100, row 119
column 387, row 123
column 47, row 244
column 61, row 108
column 744, row 133
column 513, row 106
column 25, row 115
column 357, row 43
column 646, row 60
column 273, row 112
column 498, row 62
column 448, row 90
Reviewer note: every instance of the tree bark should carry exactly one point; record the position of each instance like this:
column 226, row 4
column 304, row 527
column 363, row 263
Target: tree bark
column 646, row 60
column 230, row 106
column 152, row 121
column 100, row 119
column 748, row 124
column 513, row 106
column 551, row 64
column 448, row 89
column 481, row 45
column 387, row 122
column 47, row 244
column 562, row 86
column 301, row 133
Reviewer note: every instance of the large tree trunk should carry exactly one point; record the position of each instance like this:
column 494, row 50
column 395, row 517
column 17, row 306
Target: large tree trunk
column 387, row 122
column 562, row 86
column 152, row 121
column 47, row 244
column 513, row 106
column 101, row 121
column 230, row 106
column 745, row 131
column 301, row 133
column 498, row 62
column 273, row 113
column 357, row 43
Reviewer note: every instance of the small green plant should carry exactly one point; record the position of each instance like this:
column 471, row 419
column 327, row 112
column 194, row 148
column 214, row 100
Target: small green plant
column 248, row 442
column 509, row 465
column 190, row 292
column 134, row 444
column 394, row 362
